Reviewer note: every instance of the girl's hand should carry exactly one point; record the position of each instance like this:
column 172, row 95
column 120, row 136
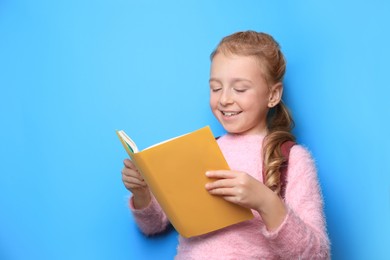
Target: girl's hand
column 237, row 187
column 242, row 189
column 134, row 182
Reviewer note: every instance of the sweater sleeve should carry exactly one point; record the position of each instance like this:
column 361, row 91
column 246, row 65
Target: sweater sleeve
column 303, row 233
column 151, row 219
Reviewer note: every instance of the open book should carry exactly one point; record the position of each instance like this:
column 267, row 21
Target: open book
column 175, row 173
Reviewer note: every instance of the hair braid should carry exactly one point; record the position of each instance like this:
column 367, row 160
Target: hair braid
column 280, row 124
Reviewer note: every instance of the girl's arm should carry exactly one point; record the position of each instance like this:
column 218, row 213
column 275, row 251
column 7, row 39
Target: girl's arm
column 295, row 228
column 147, row 212
column 150, row 219
column 302, row 234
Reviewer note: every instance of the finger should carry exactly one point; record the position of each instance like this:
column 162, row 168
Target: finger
column 131, row 172
column 133, row 181
column 129, row 164
column 132, row 185
column 233, row 199
column 134, row 178
column 126, row 172
column 228, row 194
column 224, row 192
column 220, row 174
column 221, row 183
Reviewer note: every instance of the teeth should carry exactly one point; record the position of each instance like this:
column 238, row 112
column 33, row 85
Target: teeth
column 230, row 113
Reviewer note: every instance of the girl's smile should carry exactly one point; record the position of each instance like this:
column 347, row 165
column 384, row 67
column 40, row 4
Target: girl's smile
column 230, row 114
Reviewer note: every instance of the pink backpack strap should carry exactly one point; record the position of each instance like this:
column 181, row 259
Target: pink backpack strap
column 285, row 149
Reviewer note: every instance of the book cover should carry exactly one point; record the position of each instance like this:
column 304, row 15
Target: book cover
column 175, row 173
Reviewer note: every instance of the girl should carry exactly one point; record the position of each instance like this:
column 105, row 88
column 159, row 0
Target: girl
column 246, row 88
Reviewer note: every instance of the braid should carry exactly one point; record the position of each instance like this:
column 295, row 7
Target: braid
column 280, row 124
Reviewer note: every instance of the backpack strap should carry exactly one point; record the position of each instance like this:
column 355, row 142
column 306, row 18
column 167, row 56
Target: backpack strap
column 285, row 149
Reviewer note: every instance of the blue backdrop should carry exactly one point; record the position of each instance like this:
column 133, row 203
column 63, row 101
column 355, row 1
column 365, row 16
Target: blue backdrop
column 74, row 71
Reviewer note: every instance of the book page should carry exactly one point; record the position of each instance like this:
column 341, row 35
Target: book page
column 129, row 142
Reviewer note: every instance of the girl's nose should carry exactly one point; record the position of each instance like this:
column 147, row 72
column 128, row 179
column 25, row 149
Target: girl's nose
column 226, row 98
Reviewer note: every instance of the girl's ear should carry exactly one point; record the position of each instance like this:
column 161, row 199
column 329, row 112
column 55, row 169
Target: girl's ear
column 275, row 94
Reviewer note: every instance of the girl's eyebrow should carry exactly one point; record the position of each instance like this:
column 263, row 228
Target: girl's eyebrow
column 234, row 80
column 214, row 79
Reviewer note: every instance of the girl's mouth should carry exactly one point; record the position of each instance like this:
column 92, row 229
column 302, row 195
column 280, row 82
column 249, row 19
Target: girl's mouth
column 230, row 114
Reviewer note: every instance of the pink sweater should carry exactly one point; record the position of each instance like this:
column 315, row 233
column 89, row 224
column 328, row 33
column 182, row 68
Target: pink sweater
column 302, row 235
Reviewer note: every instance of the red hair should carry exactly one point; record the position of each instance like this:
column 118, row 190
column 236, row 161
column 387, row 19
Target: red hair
column 279, row 119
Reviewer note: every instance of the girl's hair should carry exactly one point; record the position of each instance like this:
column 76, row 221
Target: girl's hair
column 279, row 120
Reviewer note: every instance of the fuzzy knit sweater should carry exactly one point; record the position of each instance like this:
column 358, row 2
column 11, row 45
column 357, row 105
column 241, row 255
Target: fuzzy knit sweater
column 302, row 235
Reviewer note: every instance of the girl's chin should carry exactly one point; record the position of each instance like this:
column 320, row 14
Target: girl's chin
column 244, row 131
column 232, row 129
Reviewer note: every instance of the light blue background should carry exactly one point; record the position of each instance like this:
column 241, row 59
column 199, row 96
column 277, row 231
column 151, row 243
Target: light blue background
column 74, row 71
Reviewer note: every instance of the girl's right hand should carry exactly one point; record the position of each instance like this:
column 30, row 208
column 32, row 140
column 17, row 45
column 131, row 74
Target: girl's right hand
column 134, row 182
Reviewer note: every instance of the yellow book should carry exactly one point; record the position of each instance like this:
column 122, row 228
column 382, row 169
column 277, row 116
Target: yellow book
column 175, row 173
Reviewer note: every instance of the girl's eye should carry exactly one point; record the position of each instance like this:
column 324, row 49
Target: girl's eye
column 215, row 89
column 240, row 90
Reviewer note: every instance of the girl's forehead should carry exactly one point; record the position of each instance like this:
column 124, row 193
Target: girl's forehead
column 236, row 64
column 235, row 60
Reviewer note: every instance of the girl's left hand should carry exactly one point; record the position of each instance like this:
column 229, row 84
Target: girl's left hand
column 238, row 187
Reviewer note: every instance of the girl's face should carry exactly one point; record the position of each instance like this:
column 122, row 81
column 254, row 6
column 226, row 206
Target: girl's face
column 239, row 94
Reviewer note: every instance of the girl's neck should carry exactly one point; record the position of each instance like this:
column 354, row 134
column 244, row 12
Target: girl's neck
column 262, row 132
column 249, row 134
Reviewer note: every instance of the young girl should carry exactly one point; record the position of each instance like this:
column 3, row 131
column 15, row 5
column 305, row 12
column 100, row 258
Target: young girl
column 245, row 96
